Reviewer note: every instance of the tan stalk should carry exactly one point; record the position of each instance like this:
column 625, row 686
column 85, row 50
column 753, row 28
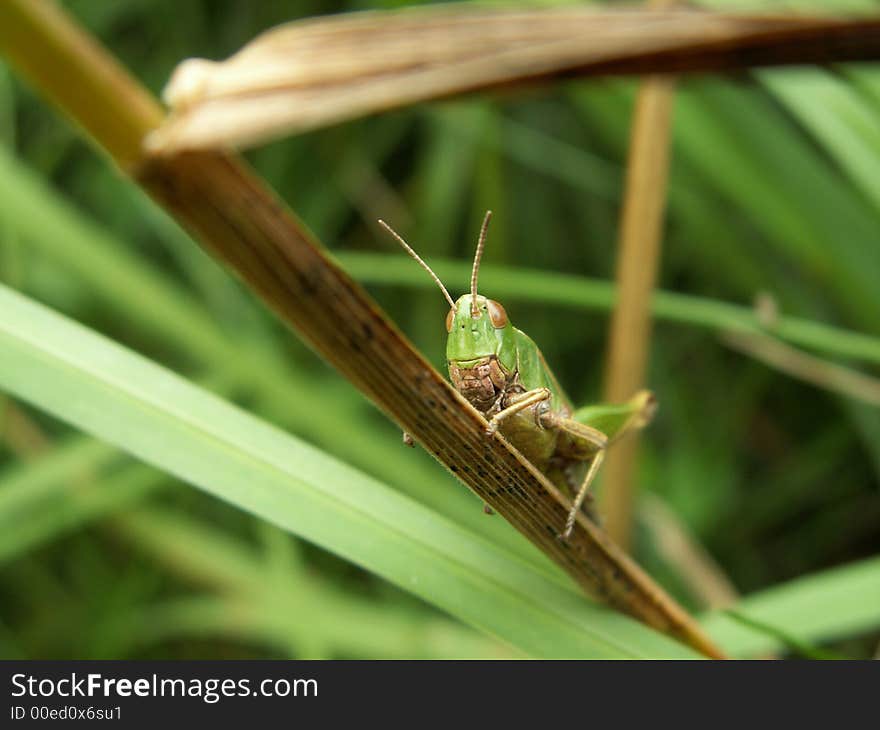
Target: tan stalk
column 638, row 258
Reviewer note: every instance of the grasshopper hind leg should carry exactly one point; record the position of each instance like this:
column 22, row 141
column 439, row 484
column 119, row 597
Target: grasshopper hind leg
column 574, row 478
column 587, row 445
column 583, row 493
column 592, row 429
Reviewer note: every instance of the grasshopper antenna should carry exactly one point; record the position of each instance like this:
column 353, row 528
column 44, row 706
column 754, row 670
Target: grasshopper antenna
column 418, row 258
column 481, row 244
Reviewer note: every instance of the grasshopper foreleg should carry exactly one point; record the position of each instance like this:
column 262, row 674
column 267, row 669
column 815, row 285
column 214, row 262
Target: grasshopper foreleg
column 523, row 401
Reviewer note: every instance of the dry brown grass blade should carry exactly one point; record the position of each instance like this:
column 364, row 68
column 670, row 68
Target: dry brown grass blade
column 313, row 73
column 234, row 216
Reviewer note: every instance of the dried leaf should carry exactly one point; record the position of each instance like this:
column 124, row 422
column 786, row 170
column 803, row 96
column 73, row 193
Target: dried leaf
column 313, row 73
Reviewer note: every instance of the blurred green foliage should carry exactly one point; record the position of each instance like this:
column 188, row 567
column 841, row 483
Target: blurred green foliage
column 774, row 189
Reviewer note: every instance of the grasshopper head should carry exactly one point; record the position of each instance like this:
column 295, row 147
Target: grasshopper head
column 477, row 326
column 477, row 329
column 481, row 348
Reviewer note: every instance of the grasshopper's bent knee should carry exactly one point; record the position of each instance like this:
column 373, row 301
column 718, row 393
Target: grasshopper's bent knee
column 593, row 437
column 582, row 494
column 408, row 440
column 526, row 400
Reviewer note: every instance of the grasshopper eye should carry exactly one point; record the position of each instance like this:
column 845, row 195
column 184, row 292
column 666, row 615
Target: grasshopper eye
column 449, row 318
column 496, row 314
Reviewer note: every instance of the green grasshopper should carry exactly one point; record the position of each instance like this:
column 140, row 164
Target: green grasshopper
column 503, row 374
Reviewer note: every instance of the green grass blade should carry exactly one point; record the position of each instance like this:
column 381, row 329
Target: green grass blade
column 821, row 607
column 845, row 124
column 327, row 620
column 64, row 491
column 130, row 402
column 547, row 287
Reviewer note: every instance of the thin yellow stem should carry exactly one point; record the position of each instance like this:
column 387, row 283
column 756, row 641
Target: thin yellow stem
column 79, row 77
column 641, row 232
